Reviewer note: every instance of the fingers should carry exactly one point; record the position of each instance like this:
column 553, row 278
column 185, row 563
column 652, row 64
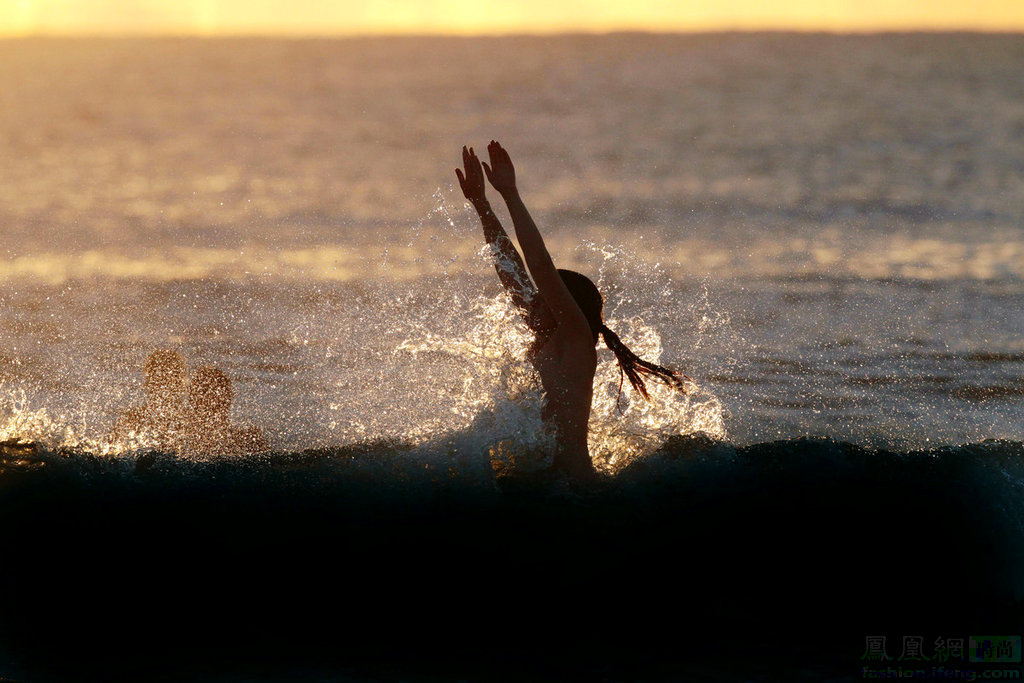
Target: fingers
column 498, row 154
column 472, row 174
column 470, row 160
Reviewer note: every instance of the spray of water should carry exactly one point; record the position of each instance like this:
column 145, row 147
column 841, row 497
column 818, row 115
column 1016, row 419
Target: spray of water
column 499, row 400
column 435, row 365
column 22, row 424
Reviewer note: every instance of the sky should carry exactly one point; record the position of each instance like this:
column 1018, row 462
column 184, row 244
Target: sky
column 355, row 17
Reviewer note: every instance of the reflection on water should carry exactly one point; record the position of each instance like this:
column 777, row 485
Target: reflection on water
column 824, row 231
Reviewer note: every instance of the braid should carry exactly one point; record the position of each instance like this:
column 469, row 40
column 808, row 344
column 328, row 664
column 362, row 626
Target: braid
column 633, row 367
column 590, row 302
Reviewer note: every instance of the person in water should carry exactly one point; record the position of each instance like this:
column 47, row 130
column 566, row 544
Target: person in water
column 208, row 429
column 160, row 417
column 562, row 308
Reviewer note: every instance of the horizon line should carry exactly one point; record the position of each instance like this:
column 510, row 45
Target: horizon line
column 391, row 33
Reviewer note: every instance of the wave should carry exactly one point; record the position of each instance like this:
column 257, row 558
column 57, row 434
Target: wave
column 367, row 560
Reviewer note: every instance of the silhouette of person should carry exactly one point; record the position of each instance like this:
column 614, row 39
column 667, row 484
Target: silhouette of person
column 160, row 417
column 208, row 427
column 562, row 308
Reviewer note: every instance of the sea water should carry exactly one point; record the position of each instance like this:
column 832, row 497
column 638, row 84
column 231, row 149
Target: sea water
column 825, row 232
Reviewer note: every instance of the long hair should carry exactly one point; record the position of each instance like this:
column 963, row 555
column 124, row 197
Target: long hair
column 631, row 366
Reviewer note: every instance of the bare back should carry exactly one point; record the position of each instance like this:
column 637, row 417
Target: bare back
column 566, row 368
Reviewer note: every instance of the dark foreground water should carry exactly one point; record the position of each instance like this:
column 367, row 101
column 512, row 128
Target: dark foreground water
column 703, row 560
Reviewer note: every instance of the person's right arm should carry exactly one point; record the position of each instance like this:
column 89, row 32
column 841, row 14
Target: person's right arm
column 560, row 302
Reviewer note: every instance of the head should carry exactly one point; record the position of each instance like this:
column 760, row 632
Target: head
column 165, row 373
column 209, row 391
column 586, row 295
column 631, row 366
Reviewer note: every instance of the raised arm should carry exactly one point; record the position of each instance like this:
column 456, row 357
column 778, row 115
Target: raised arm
column 560, row 302
column 507, row 261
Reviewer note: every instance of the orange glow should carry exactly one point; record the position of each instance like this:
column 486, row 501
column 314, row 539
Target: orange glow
column 355, row 17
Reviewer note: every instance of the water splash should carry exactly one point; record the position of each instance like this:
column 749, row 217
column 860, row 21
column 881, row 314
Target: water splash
column 500, row 398
column 437, row 366
column 624, row 426
column 499, row 395
column 23, row 424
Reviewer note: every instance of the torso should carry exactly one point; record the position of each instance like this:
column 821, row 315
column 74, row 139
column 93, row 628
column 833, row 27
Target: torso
column 566, row 372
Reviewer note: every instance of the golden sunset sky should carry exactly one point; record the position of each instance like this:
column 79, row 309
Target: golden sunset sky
column 354, row 17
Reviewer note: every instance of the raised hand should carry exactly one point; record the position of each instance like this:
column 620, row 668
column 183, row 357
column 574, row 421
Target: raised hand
column 507, row 261
column 501, row 172
column 472, row 181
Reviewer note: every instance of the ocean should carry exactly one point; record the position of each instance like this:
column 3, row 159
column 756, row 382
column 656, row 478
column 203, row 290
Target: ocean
column 826, row 232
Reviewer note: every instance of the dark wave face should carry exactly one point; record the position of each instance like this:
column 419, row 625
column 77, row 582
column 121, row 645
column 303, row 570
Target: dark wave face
column 356, row 563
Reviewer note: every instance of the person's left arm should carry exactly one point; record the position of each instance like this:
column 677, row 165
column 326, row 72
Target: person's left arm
column 507, row 261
